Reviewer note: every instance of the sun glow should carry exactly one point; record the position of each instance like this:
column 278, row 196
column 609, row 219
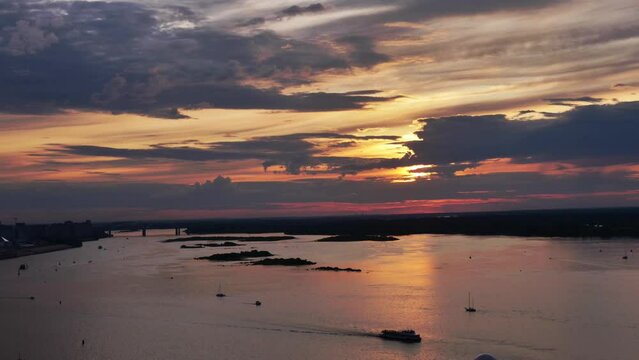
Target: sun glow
column 413, row 173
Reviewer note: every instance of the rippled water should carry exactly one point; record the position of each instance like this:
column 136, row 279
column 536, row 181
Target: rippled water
column 143, row 299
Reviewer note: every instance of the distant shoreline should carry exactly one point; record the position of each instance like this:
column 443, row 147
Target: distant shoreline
column 21, row 239
column 36, row 250
column 580, row 223
column 576, row 223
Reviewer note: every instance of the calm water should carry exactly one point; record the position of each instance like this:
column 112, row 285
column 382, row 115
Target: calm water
column 142, row 299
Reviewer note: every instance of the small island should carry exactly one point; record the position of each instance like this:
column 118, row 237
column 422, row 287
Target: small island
column 333, row 268
column 283, row 262
column 351, row 238
column 213, row 245
column 235, row 256
column 224, row 244
column 198, row 246
column 230, row 238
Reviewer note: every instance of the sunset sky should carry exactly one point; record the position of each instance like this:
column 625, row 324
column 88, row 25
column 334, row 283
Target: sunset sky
column 146, row 109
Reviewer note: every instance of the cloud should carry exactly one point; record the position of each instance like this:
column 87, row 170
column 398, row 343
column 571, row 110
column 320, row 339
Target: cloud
column 571, row 101
column 296, row 153
column 586, row 99
column 420, row 10
column 416, row 10
column 587, row 135
column 361, row 50
column 125, row 57
column 26, row 38
column 296, row 10
column 287, row 13
column 256, row 21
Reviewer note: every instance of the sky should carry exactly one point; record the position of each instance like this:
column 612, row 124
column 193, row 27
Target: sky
column 158, row 109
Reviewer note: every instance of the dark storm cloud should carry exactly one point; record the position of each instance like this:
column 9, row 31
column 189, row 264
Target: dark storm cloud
column 296, row 153
column 594, row 134
column 123, row 57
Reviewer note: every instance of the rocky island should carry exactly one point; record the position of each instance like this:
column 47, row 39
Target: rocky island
column 333, row 268
column 197, row 246
column 213, row 245
column 235, row 256
column 283, row 262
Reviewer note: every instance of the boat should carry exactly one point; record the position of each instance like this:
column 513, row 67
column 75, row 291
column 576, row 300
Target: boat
column 258, row 303
column 407, row 336
column 485, row 357
column 219, row 291
column 625, row 256
column 470, row 307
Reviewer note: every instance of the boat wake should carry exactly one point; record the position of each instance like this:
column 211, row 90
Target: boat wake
column 17, row 298
column 315, row 330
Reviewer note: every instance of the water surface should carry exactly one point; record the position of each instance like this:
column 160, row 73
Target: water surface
column 143, row 299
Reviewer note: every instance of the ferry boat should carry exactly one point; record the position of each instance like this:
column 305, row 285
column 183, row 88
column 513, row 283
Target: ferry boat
column 408, row 336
